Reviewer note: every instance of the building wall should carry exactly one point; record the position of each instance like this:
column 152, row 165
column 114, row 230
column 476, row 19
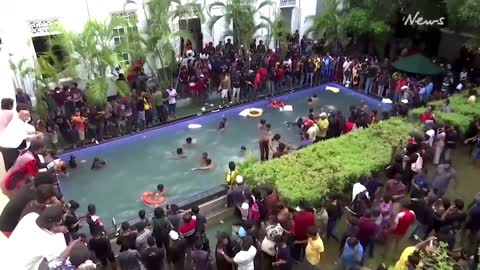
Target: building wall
column 19, row 17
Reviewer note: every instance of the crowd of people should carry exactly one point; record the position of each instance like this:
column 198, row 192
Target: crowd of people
column 44, row 228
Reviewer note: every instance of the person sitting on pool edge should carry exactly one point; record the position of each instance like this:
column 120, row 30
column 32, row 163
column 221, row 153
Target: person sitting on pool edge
column 208, row 166
column 98, row 163
column 180, row 154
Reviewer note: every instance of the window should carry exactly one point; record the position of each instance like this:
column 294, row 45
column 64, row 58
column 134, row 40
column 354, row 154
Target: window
column 125, row 35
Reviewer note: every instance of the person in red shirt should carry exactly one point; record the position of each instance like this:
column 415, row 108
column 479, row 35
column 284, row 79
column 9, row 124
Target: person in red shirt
column 24, row 170
column 350, row 125
column 270, row 201
column 302, row 220
column 187, row 230
column 402, row 223
column 428, row 115
column 367, row 230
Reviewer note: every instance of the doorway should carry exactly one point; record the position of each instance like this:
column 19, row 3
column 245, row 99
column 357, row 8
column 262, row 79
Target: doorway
column 287, row 17
column 194, row 27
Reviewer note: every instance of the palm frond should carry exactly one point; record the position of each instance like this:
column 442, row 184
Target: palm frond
column 215, row 5
column 264, row 4
column 96, row 93
column 122, row 88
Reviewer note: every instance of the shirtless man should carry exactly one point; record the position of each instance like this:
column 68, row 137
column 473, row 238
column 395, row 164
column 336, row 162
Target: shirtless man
column 265, row 139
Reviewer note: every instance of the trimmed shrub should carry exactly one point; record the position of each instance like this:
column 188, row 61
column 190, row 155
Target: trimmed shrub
column 461, row 115
column 330, row 166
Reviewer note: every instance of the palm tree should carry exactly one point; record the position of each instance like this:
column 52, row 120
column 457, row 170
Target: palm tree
column 158, row 35
column 278, row 31
column 240, row 16
column 93, row 48
column 329, row 25
column 21, row 72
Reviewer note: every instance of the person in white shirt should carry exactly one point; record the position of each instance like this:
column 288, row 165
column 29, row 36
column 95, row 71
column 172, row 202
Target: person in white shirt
column 313, row 132
column 172, row 101
column 244, row 258
column 360, row 187
column 35, row 239
column 17, row 135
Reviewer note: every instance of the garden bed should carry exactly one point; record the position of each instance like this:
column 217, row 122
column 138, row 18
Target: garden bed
column 330, row 166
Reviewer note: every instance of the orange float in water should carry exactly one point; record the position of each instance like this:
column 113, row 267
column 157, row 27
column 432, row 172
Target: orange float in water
column 149, row 198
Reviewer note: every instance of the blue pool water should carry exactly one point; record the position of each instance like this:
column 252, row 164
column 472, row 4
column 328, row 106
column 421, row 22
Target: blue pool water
column 138, row 163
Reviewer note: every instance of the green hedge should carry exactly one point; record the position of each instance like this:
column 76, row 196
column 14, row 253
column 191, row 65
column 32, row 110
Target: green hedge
column 332, row 165
column 462, row 113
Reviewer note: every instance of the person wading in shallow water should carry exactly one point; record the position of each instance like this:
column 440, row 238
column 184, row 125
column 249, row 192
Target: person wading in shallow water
column 265, row 139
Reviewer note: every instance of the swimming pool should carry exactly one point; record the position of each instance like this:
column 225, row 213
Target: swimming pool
column 139, row 162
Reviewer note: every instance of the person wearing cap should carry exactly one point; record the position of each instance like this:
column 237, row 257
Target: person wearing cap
column 177, row 250
column 322, row 126
column 36, row 238
column 239, row 193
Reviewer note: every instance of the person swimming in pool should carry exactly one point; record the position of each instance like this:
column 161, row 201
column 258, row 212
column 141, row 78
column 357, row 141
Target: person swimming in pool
column 188, row 142
column 223, row 124
column 243, row 151
column 160, row 192
column 208, row 166
column 98, row 163
column 203, row 160
column 180, row 154
column 72, row 162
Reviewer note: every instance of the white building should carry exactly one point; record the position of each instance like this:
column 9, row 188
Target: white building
column 24, row 25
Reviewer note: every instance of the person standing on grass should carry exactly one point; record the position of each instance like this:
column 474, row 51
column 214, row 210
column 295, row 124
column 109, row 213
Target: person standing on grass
column 314, row 248
column 445, row 176
column 403, row 220
column 302, row 220
column 172, row 102
column 395, row 188
column 334, row 210
column 352, row 254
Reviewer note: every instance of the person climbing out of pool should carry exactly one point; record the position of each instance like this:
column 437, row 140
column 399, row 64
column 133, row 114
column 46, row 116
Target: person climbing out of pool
column 180, row 154
column 208, row 166
column 98, row 163
column 72, row 162
column 223, row 124
column 265, row 139
column 203, row 160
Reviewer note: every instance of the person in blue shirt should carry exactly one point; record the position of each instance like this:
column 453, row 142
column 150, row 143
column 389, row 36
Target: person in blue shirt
column 352, row 254
column 420, row 185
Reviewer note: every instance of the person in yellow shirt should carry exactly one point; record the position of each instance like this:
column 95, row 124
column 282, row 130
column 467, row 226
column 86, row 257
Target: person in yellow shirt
column 314, row 247
column 410, row 255
column 323, row 126
column 231, row 175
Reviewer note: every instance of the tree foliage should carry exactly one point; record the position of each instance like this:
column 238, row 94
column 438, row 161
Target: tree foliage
column 461, row 115
column 240, row 18
column 332, row 165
